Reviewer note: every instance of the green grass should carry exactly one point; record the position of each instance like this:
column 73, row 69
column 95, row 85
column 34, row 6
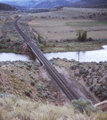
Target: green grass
column 86, row 24
column 73, row 46
column 12, row 37
column 7, row 51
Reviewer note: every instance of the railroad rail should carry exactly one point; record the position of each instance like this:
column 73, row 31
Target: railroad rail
column 52, row 71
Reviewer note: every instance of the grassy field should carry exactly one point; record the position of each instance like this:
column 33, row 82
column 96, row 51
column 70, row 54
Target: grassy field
column 58, row 31
column 72, row 46
column 80, row 23
column 66, row 29
column 58, row 26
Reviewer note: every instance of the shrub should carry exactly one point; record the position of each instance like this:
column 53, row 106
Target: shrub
column 32, row 83
column 39, row 39
column 28, row 93
column 53, row 45
column 99, row 42
column 82, row 35
column 8, row 40
column 79, row 32
column 2, row 41
column 90, row 39
column 12, row 70
column 1, row 46
column 45, row 44
column 21, row 79
column 84, row 106
column 28, row 67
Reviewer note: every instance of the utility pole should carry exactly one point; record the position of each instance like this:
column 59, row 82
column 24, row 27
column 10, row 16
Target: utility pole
column 78, row 55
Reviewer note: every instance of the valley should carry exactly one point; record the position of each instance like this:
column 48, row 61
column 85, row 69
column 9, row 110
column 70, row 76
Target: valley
column 59, row 28
column 28, row 84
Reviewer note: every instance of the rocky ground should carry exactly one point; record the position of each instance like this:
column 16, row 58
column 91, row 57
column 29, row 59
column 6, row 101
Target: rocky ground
column 25, row 81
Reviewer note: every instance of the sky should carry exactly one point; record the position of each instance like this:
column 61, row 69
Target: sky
column 13, row 0
column 18, row 0
column 29, row 0
column 10, row 0
column 26, row 0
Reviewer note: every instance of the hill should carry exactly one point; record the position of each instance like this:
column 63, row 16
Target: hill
column 29, row 4
column 52, row 4
column 6, row 7
column 90, row 3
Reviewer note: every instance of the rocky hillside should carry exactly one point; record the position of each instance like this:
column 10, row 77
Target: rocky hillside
column 6, row 7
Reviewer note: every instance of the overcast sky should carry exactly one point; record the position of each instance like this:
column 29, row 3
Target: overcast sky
column 29, row 0
column 18, row 0
column 14, row 0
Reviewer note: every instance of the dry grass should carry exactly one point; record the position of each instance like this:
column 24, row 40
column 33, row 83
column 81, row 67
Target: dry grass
column 57, row 29
column 61, row 25
column 16, row 109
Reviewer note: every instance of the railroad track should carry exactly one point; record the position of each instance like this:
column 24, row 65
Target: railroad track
column 52, row 71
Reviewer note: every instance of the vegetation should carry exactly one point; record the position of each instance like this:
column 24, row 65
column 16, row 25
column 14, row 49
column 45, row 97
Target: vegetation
column 81, row 35
column 41, row 43
column 84, row 106
column 0, row 46
column 86, row 24
column 12, row 108
column 8, row 51
column 39, row 39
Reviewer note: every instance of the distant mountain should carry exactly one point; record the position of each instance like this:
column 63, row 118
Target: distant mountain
column 38, row 3
column 22, row 4
column 90, row 3
column 35, row 4
column 97, row 2
column 52, row 3
column 6, row 7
